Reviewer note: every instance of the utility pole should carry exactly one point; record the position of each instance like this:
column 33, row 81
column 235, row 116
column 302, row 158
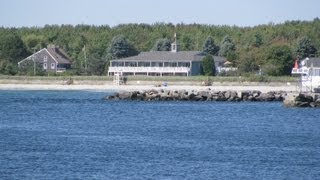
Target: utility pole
column 85, row 59
column 34, row 66
column 34, row 62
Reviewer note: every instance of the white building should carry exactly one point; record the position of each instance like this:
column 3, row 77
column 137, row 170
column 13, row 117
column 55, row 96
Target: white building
column 309, row 69
column 164, row 63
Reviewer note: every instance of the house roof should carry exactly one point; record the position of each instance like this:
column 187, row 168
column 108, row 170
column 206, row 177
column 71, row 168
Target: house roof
column 56, row 53
column 169, row 56
column 59, row 55
column 315, row 62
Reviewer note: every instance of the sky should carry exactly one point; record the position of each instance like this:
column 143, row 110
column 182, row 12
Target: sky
column 18, row 13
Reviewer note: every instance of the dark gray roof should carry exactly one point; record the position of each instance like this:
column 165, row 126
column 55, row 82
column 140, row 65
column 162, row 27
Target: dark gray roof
column 56, row 54
column 314, row 61
column 166, row 56
column 59, row 55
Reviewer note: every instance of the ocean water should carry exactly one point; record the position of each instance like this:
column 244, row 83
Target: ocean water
column 78, row 135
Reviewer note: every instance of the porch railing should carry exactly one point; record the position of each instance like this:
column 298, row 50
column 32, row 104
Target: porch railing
column 150, row 69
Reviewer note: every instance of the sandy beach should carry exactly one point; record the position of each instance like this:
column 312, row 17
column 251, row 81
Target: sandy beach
column 111, row 87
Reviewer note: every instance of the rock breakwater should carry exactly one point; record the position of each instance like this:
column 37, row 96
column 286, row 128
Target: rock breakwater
column 302, row 100
column 194, row 95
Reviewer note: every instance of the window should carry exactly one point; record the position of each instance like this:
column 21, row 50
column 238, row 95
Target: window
column 316, row 72
column 53, row 66
column 44, row 65
column 45, row 58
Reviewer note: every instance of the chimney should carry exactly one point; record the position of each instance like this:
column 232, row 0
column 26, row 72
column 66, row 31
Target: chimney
column 53, row 47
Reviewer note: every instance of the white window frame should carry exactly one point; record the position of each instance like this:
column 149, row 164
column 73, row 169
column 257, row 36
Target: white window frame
column 45, row 66
column 45, row 59
column 53, row 65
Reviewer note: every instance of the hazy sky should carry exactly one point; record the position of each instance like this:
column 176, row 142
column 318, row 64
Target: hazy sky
column 17, row 13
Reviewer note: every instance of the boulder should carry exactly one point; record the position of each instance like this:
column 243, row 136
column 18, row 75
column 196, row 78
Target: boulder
column 289, row 100
column 266, row 97
column 244, row 95
column 221, row 97
column 227, row 94
column 203, row 94
column 233, row 96
column 125, row 95
column 304, row 98
column 256, row 93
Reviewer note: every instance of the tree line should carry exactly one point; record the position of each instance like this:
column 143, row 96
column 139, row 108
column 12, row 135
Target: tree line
column 270, row 47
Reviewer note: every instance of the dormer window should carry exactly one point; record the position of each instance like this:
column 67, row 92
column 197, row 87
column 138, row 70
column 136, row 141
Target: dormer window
column 45, row 58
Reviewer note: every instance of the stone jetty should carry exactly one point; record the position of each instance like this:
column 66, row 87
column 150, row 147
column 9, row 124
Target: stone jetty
column 302, row 100
column 194, row 95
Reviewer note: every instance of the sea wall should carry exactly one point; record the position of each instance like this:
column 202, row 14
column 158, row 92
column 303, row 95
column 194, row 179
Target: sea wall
column 194, row 95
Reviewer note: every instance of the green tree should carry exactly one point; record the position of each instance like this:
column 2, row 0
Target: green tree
column 162, row 45
column 96, row 64
column 34, row 42
column 210, row 47
column 209, row 68
column 228, row 48
column 305, row 48
column 248, row 64
column 187, row 43
column 257, row 40
column 279, row 60
column 12, row 48
column 120, row 47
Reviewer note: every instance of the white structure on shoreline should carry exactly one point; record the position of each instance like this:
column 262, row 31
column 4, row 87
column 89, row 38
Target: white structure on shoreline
column 309, row 69
column 165, row 63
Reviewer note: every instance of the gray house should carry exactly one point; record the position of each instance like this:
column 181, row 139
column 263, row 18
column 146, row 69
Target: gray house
column 51, row 59
column 162, row 63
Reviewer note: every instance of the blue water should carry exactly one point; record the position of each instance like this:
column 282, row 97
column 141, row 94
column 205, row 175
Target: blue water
column 77, row 135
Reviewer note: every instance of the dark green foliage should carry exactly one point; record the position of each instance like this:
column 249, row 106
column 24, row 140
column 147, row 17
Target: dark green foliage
column 227, row 47
column 162, row 45
column 208, row 65
column 121, row 48
column 7, row 68
column 96, row 64
column 12, row 48
column 210, row 47
column 34, row 42
column 248, row 65
column 257, row 40
column 187, row 43
column 279, row 60
column 305, row 48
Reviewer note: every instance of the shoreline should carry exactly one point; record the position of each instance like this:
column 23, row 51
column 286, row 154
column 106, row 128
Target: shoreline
column 110, row 87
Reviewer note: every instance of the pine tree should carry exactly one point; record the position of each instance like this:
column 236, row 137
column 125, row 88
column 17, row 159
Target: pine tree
column 209, row 68
column 305, row 48
column 120, row 48
column 227, row 47
column 162, row 45
column 210, row 47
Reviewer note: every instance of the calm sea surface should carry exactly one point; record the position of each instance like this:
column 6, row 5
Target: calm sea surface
column 77, row 135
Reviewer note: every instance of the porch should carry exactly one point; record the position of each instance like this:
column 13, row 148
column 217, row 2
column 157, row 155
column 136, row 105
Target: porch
column 151, row 71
